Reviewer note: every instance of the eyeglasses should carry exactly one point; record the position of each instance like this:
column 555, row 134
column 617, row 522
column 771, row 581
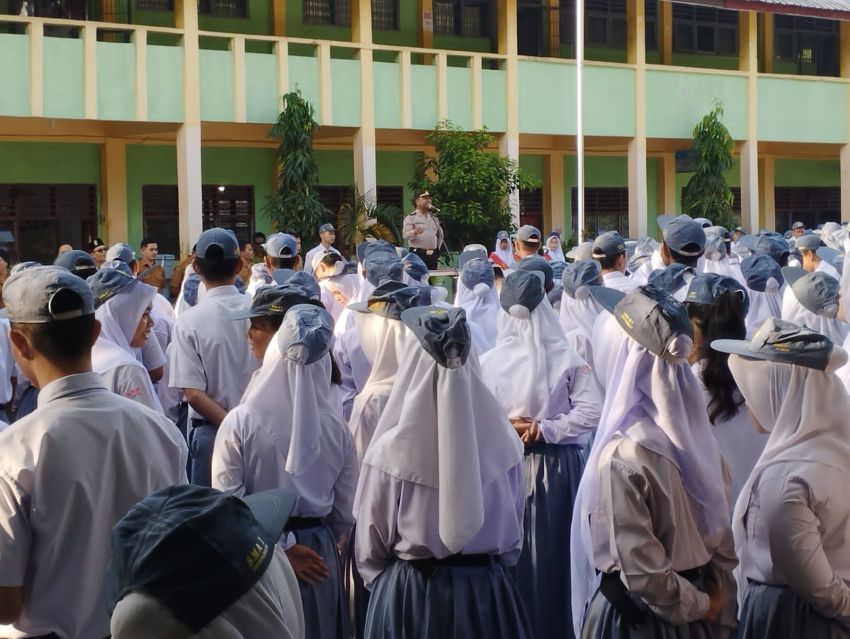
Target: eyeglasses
column 102, row 249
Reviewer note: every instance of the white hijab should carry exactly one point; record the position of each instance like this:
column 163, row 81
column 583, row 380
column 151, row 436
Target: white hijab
column 507, row 255
column 835, row 329
column 556, row 254
column 119, row 317
column 658, row 403
column 579, row 313
column 763, row 305
column 442, row 428
column 481, row 304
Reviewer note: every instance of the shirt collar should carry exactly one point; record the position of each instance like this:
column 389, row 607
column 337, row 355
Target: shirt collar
column 229, row 289
column 69, row 385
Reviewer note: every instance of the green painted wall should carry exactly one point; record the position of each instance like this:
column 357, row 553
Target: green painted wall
column 802, row 110
column 14, row 75
column 807, row 173
column 63, row 78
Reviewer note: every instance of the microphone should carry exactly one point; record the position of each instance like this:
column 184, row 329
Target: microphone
column 433, row 209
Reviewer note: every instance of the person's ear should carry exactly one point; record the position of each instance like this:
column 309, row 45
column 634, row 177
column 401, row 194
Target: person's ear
column 665, row 254
column 195, row 266
column 21, row 345
column 298, row 264
column 96, row 332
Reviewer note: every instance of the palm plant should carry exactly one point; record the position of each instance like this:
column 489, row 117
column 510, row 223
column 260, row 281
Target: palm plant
column 363, row 218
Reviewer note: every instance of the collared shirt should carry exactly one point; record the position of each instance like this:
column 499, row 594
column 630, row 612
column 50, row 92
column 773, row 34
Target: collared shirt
column 575, row 406
column 313, row 252
column 829, row 269
column 209, row 352
column 431, row 236
column 68, row 473
column 619, row 281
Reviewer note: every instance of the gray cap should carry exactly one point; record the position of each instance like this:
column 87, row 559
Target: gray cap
column 467, row 255
column 609, row 244
column 380, row 267
column 117, row 265
column 298, row 278
column 327, row 228
column 442, row 332
column 797, row 225
column 477, row 271
column 120, row 251
column 528, row 233
column 306, row 335
column 758, row 269
column 271, row 301
column 558, row 267
column 365, row 249
column 780, row 341
column 23, row 266
column 281, row 245
column 704, row 222
column 521, row 293
column 706, row 287
column 831, row 256
column 816, row 292
column 537, row 263
column 775, row 246
column 217, row 244
column 46, row 294
column 650, row 316
column 390, row 300
column 107, row 283
column 683, row 235
column 502, row 235
column 79, row 263
column 583, row 251
column 414, row 266
column 810, row 242
column 670, row 278
column 578, row 274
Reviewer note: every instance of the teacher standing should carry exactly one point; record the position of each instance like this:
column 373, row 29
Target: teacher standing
column 423, row 232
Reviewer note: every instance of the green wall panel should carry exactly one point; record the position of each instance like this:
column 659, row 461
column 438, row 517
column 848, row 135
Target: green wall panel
column 495, row 115
column 807, row 172
column 424, row 105
column 63, row 78
column 165, row 83
column 261, row 87
column 14, row 74
column 459, row 84
column 676, row 101
column 387, row 95
column 116, row 77
column 146, row 164
column 345, row 94
column 546, row 104
column 801, row 110
column 397, row 168
column 609, row 101
column 216, row 86
column 59, row 162
column 304, row 76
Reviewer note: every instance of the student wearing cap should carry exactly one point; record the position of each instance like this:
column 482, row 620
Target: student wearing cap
column 716, row 257
column 717, row 307
column 71, row 469
column 422, row 230
column 526, row 242
column 652, row 516
column 813, row 300
column 286, row 434
column 123, row 308
column 553, row 403
column 503, row 254
column 808, row 246
column 537, row 263
column 684, row 243
column 439, row 503
column 579, row 310
column 477, row 295
column 124, row 253
column 609, row 249
column 280, row 253
column 792, row 519
column 764, row 281
column 209, row 358
column 97, row 250
column 553, row 250
column 415, row 270
column 179, row 568
column 327, row 237
column 798, row 229
column 80, row 263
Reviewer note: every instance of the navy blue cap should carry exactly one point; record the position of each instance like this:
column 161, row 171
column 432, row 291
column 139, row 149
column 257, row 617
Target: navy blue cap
column 390, row 300
column 45, row 294
column 776, row 247
column 195, row 550
column 79, row 263
column 608, row 244
column 217, row 244
column 528, row 233
column 281, row 245
column 704, row 222
column 306, row 335
column 683, row 235
column 364, row 249
column 271, row 301
column 537, row 263
column 467, row 255
column 414, row 266
column 477, row 271
column 558, row 267
column 578, row 274
column 706, row 287
column 522, row 292
column 817, row 292
column 670, row 278
column 327, row 228
column 758, row 269
column 107, row 283
column 380, row 266
column 442, row 332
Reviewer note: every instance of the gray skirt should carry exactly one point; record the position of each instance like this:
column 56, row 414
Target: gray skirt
column 356, row 593
column 323, row 603
column 552, row 476
column 777, row 612
column 463, row 602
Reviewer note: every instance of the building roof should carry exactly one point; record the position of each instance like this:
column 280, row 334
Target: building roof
column 832, row 9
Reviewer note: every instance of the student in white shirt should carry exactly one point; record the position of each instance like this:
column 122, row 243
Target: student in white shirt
column 553, row 403
column 792, row 519
column 327, row 236
column 439, row 503
column 209, row 358
column 684, row 244
column 609, row 249
column 72, row 468
column 285, row 434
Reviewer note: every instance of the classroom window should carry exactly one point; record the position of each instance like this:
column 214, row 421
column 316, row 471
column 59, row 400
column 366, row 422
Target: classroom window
column 811, row 205
column 698, row 29
column 606, row 23
column 385, row 15
column 812, row 43
column 336, row 12
column 223, row 8
column 155, row 5
column 472, row 18
column 605, row 209
column 531, row 207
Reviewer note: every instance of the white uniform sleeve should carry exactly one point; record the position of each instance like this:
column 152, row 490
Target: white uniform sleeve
column 15, row 538
column 585, row 408
column 228, row 467
column 132, row 382
column 349, row 389
column 7, row 363
column 341, row 516
column 376, row 509
column 186, row 369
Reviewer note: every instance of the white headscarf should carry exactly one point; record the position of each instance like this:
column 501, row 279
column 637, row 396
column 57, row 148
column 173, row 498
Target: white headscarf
column 119, row 317
column 507, row 255
column 557, row 254
column 579, row 313
column 345, row 284
column 763, row 305
column 443, row 429
column 658, row 403
column 481, row 304
column 835, row 329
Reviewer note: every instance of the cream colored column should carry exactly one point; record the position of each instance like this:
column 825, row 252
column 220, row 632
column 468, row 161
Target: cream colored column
column 636, row 50
column 189, row 174
column 767, row 194
column 844, row 153
column 665, row 19
column 554, row 28
column 113, row 164
column 667, row 195
column 90, row 71
column 509, row 141
column 554, row 198
column 748, row 61
column 365, row 163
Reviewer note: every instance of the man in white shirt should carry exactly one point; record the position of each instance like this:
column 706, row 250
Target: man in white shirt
column 609, row 249
column 71, row 469
column 527, row 241
column 810, row 247
column 327, row 235
column 209, row 358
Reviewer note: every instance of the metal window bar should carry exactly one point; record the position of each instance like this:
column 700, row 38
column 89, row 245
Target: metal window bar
column 385, row 14
column 444, row 17
column 155, row 5
column 318, row 11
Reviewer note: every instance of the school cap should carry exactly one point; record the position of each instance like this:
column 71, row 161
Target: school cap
column 797, row 225
column 609, row 244
column 320, row 255
column 217, row 244
column 558, row 267
column 578, row 274
column 23, row 266
column 286, row 276
column 195, row 550
column 775, row 246
column 706, row 287
column 414, row 266
column 120, row 251
column 502, row 235
column 670, row 278
column 116, row 265
column 810, row 242
column 468, row 255
column 537, row 263
column 704, row 222
column 583, row 251
column 107, row 283
column 45, row 294
column 389, row 300
column 365, row 249
column 78, row 262
column 739, row 229
column 270, row 301
column 306, row 335
column 521, row 293
column 831, row 256
column 528, row 233
column 757, row 269
column 817, row 292
column 280, row 245
column 380, row 267
column 327, row 228
column 787, row 343
column 683, row 235
column 95, row 243
column 190, row 289
column 649, row 315
column 442, row 332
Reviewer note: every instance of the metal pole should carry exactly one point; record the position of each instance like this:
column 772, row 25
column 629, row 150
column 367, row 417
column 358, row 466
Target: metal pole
column 579, row 39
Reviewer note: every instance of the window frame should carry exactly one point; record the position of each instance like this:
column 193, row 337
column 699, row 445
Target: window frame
column 694, row 18
column 486, row 18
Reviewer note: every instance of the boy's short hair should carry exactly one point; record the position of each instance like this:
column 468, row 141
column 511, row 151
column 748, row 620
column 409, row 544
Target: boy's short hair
column 64, row 342
column 217, row 270
column 284, row 262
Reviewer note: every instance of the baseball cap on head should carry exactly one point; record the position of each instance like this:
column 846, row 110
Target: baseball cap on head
column 608, row 244
column 217, row 244
column 45, row 294
column 759, row 269
column 810, row 242
column 581, row 274
column 797, row 225
column 469, row 255
column 96, row 243
column 270, row 301
column 705, row 288
column 390, row 300
column 502, row 235
column 521, row 293
column 380, row 267
column 281, row 245
column 121, row 251
column 414, row 266
column 306, row 335
column 528, row 233
column 683, row 235
column 77, row 262
column 116, row 265
column 364, row 249
column 537, row 263
column 477, row 271
column 108, row 282
column 327, row 228
column 817, row 292
column 442, row 332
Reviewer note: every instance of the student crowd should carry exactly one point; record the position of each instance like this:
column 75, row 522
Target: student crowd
column 635, row 439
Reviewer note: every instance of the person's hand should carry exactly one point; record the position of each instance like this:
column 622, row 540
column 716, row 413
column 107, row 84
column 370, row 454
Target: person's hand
column 533, row 434
column 308, row 565
column 717, row 599
column 521, row 425
column 340, row 297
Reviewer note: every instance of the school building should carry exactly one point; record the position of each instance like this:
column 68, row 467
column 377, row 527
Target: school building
column 124, row 118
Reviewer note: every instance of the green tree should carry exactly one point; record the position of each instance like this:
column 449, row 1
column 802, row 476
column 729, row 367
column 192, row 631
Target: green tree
column 469, row 183
column 295, row 206
column 363, row 218
column 707, row 194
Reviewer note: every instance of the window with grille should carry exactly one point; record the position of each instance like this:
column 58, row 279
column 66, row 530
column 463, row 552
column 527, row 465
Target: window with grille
column 811, row 205
column 810, row 42
column 605, row 209
column 40, row 217
column 161, row 216
column 336, row 12
column 698, row 29
column 531, row 207
column 223, row 8
column 155, row 5
column 606, row 23
column 391, row 196
column 472, row 18
column 333, row 197
column 385, row 15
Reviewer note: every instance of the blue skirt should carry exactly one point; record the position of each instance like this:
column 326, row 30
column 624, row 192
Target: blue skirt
column 356, row 593
column 552, row 476
column 323, row 603
column 777, row 612
column 479, row 602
